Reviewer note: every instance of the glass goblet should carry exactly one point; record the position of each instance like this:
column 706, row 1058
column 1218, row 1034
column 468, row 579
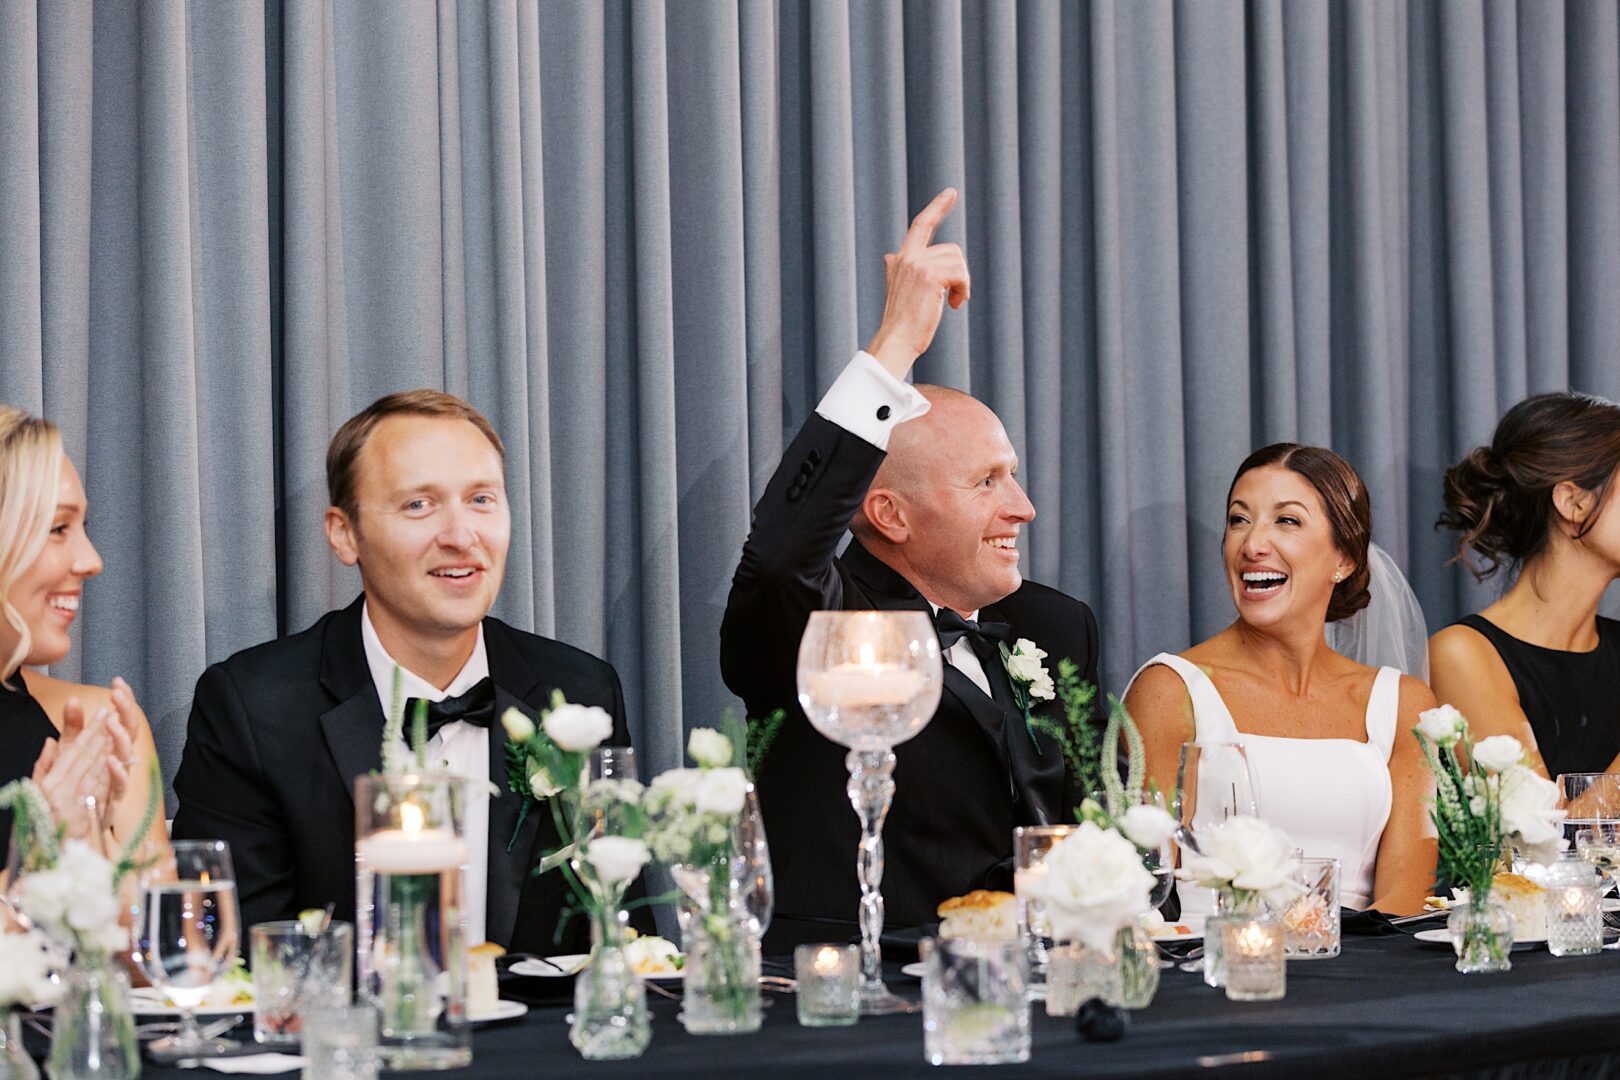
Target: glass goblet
column 1599, row 845
column 870, row 680
column 186, row 934
column 1213, row 783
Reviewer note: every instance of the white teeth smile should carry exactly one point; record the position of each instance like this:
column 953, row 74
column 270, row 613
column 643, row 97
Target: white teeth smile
column 1264, row 579
column 64, row 603
column 455, row 572
column 1003, row 542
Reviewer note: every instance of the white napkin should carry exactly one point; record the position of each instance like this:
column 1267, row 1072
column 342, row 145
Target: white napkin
column 263, row 1064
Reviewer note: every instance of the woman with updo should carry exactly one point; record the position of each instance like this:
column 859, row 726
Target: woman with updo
column 1539, row 664
column 1329, row 741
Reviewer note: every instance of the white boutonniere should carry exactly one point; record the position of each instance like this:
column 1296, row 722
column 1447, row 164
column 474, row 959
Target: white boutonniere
column 1030, row 680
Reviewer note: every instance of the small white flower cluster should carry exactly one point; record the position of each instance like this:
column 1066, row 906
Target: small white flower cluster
column 1528, row 802
column 616, row 859
column 76, row 902
column 1024, row 667
column 1244, row 855
column 1094, row 885
column 26, row 963
column 693, row 810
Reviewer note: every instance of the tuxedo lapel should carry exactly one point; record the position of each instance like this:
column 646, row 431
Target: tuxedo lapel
column 510, row 858
column 353, row 728
column 1037, row 766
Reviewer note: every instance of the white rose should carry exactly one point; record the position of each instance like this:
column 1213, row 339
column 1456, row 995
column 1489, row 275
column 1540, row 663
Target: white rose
column 1498, row 753
column 721, row 791
column 708, row 748
column 519, row 728
column 1043, row 689
column 653, row 955
column 46, row 895
column 541, row 785
column 617, row 859
column 1094, row 885
column 1442, row 725
column 1024, row 662
column 1244, row 853
column 677, row 786
column 25, row 969
column 1530, row 813
column 1148, row 826
column 578, row 728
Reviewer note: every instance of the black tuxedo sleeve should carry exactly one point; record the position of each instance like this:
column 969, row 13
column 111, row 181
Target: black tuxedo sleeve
column 787, row 568
column 223, row 796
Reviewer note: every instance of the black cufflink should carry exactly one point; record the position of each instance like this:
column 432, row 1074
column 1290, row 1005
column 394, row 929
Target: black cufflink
column 883, row 412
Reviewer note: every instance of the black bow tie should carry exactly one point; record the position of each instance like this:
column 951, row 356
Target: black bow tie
column 476, row 707
column 953, row 628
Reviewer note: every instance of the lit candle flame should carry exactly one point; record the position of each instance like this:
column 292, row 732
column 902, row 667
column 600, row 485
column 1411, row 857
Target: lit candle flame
column 868, row 655
column 410, row 818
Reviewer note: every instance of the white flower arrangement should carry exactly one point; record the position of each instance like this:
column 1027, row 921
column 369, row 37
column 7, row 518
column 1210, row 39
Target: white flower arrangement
column 27, row 964
column 1094, row 886
column 1244, row 858
column 577, row 729
column 616, row 860
column 75, row 902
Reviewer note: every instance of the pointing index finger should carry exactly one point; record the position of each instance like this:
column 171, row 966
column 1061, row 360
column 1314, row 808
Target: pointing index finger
column 921, row 233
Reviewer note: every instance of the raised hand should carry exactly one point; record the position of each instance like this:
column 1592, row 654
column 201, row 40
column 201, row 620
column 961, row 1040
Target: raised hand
column 922, row 277
column 75, row 766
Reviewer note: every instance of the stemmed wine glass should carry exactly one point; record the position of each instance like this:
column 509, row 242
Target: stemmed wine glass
column 870, row 680
column 1213, row 783
column 186, row 933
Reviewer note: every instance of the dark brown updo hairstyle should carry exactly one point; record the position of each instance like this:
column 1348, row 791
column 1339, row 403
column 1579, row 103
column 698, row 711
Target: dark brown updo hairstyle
column 1500, row 497
column 1349, row 511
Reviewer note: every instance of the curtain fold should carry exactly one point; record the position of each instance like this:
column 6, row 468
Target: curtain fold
column 644, row 237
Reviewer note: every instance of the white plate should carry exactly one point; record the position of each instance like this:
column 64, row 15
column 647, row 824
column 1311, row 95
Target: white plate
column 1442, row 936
column 146, row 1001
column 1169, row 933
column 568, row 965
column 504, row 1010
column 914, row 969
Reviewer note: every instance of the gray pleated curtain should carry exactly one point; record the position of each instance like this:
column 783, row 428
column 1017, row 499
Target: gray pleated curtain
column 643, row 236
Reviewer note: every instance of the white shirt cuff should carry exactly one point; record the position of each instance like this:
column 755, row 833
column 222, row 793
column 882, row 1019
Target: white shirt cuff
column 867, row 401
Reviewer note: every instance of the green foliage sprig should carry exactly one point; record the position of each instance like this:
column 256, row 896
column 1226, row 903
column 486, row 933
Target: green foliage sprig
column 1078, row 736
column 751, row 737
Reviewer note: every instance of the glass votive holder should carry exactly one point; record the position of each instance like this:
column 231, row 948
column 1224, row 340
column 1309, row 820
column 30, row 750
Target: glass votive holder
column 829, row 984
column 1031, row 843
column 975, row 1002
column 1215, row 950
column 1079, row 973
column 1574, row 907
column 341, row 1044
column 1256, row 966
column 1311, row 923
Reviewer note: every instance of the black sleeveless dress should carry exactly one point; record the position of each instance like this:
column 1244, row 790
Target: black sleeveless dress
column 24, row 728
column 1572, row 699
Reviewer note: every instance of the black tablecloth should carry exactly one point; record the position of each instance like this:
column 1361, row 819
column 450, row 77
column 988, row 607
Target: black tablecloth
column 1387, row 1007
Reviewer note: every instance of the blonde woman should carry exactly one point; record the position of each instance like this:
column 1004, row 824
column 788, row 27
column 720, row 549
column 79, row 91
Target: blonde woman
column 78, row 742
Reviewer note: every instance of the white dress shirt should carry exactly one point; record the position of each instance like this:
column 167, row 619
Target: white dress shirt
column 865, row 400
column 459, row 748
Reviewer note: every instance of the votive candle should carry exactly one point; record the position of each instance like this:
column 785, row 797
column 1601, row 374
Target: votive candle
column 829, row 984
column 1256, row 969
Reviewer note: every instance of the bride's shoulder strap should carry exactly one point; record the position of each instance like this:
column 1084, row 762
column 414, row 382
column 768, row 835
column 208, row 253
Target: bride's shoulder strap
column 1210, row 716
column 1384, row 709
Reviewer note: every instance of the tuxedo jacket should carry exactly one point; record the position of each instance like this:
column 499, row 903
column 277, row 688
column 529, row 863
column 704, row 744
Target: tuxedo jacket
column 279, row 732
column 962, row 784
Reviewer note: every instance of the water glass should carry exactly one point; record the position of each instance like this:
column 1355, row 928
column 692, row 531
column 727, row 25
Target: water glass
column 1311, row 923
column 185, row 934
column 297, row 974
column 1256, row 967
column 975, row 1008
column 829, row 979
column 341, row 1044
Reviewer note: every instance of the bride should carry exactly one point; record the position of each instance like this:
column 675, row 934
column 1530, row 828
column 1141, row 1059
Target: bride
column 1329, row 740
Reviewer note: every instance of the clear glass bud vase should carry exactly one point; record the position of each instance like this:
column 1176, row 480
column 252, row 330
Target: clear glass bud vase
column 15, row 1064
column 1482, row 934
column 93, row 1033
column 610, row 1002
column 1138, row 967
column 721, row 975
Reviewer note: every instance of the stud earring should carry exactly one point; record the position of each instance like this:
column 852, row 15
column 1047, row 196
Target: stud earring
column 1338, row 576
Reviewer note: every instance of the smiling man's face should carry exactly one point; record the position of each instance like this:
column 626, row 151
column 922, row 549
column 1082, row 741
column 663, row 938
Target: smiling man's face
column 432, row 530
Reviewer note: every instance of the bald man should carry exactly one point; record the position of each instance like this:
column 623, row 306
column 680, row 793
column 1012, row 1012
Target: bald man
column 927, row 481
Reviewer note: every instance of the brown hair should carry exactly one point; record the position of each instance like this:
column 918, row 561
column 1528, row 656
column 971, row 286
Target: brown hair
column 1348, row 508
column 1500, row 497
column 344, row 450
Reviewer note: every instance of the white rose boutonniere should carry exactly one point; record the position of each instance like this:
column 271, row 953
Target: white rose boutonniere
column 578, row 728
column 1030, row 679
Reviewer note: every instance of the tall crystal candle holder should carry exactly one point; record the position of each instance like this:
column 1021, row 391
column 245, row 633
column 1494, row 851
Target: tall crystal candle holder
column 870, row 680
column 410, row 868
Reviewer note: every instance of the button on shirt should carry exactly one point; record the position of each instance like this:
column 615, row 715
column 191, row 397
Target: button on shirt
column 460, row 748
column 866, row 401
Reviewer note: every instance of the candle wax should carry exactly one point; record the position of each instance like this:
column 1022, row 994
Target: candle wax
column 398, row 851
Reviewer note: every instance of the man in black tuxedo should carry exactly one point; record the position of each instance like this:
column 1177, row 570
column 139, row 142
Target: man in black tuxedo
column 279, row 732
column 925, row 478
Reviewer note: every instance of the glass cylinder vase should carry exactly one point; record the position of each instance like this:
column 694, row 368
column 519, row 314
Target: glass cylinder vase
column 410, row 859
column 15, row 1064
column 1482, row 934
column 93, row 1033
column 610, row 1002
column 1138, row 967
column 721, row 976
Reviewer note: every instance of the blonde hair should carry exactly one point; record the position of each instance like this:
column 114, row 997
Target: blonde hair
column 30, row 469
